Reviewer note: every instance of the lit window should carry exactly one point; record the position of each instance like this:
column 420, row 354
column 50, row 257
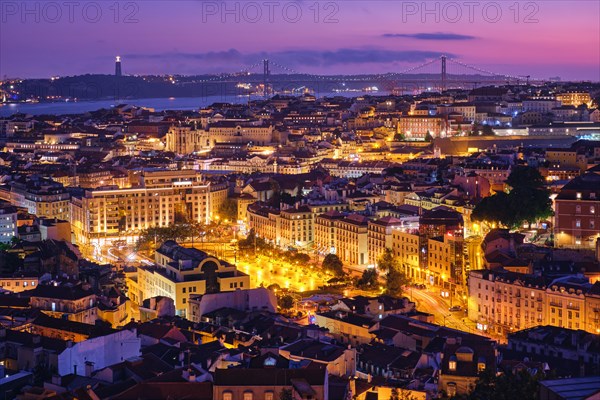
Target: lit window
column 452, row 363
column 248, row 396
column 578, row 195
column 481, row 364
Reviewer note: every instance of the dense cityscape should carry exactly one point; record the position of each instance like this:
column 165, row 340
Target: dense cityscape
column 444, row 244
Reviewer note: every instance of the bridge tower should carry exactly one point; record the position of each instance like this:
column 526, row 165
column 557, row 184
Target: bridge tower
column 444, row 74
column 266, row 74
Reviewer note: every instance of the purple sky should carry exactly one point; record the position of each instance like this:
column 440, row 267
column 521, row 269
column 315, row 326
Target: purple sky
column 544, row 39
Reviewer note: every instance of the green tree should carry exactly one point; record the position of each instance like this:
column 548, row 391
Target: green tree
column 229, row 210
column 387, row 261
column 487, row 130
column 395, row 279
column 286, row 302
column 527, row 202
column 505, row 386
column 368, row 280
column 332, row 263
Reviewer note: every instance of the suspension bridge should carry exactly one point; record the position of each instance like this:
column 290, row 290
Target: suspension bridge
column 440, row 74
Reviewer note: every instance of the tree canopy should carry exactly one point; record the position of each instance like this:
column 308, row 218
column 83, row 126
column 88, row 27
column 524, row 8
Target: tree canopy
column 395, row 279
column 332, row 263
column 505, row 386
column 527, row 202
column 368, row 280
column 286, row 302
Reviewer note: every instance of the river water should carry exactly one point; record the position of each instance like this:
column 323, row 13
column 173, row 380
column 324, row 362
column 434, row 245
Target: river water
column 159, row 104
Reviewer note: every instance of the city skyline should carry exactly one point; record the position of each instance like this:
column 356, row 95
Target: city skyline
column 519, row 39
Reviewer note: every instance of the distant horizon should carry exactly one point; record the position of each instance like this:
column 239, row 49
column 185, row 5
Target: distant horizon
column 282, row 73
column 542, row 39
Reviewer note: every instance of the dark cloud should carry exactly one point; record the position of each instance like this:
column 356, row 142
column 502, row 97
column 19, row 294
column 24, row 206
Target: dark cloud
column 430, row 36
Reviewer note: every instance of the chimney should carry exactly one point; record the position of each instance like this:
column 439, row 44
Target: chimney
column 89, row 368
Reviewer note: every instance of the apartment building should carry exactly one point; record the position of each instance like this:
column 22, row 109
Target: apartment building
column 576, row 212
column 296, row 227
column 416, row 127
column 42, row 197
column 503, row 301
column 352, row 240
column 180, row 272
column 8, row 222
column 324, row 231
column 161, row 199
column 405, row 244
column 16, row 283
column 290, row 227
column 566, row 158
column 379, row 236
column 67, row 302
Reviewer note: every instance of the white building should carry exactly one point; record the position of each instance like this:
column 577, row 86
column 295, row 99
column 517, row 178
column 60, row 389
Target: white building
column 99, row 352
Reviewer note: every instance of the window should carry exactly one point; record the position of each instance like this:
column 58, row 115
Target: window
column 227, row 396
column 578, row 223
column 452, row 363
column 53, row 306
column 481, row 364
column 248, row 396
column 578, row 195
column 269, row 396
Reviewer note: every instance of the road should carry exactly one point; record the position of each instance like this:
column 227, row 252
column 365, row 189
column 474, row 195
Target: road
column 267, row 271
column 432, row 303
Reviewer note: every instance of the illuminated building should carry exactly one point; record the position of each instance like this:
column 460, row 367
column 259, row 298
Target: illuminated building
column 576, row 208
column 380, row 236
column 503, row 301
column 161, row 199
column 574, row 98
column 72, row 303
column 186, row 139
column 416, row 127
column 180, row 272
column 325, row 231
column 291, row 227
column 351, row 240
column 40, row 196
